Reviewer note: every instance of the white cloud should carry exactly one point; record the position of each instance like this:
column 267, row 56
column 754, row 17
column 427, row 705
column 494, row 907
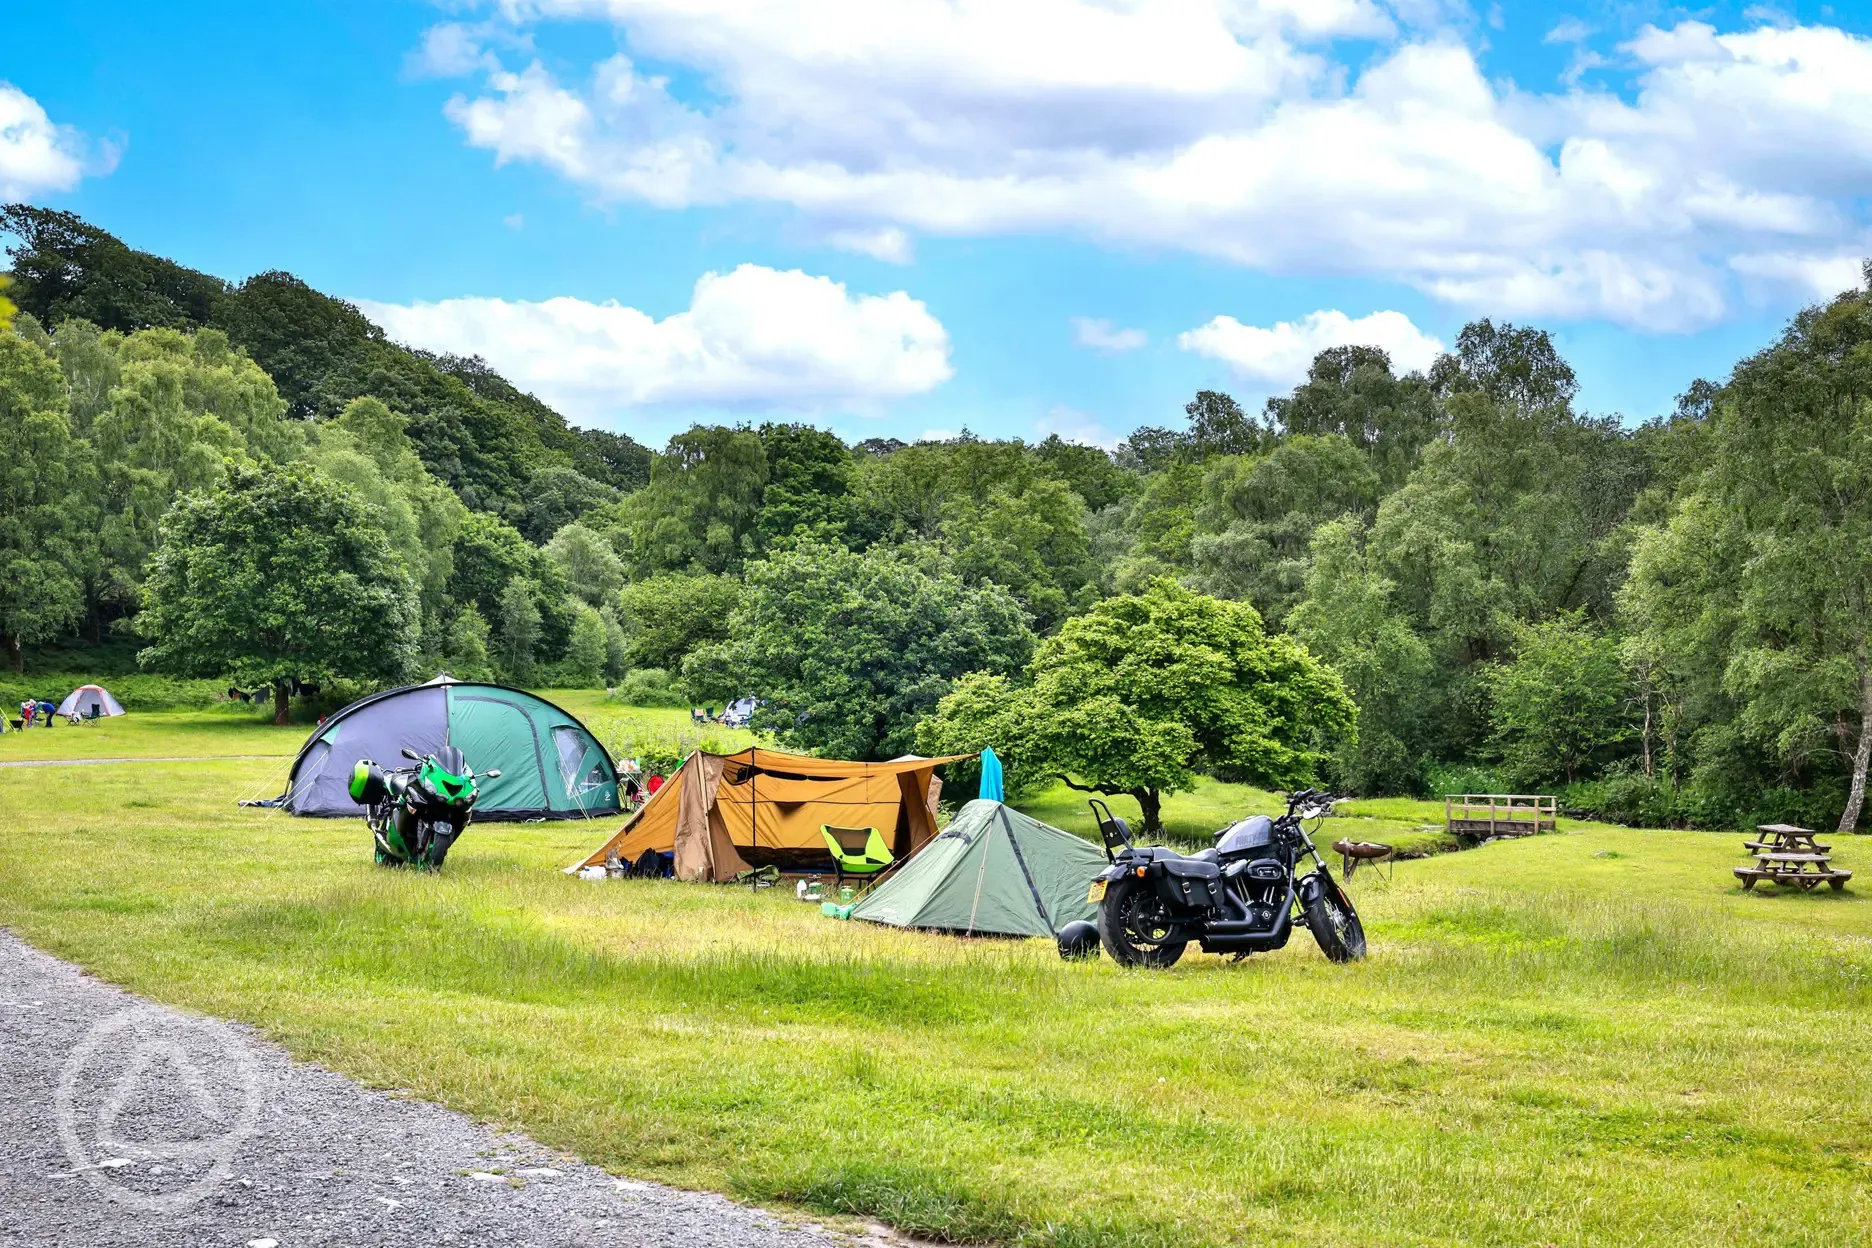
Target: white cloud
column 457, row 49
column 756, row 336
column 1278, row 355
column 449, row 50
column 37, row 155
column 1225, row 127
column 1568, row 30
column 1076, row 426
column 1102, row 335
column 886, row 243
column 1808, row 276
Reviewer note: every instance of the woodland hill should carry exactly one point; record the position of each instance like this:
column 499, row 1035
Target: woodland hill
column 1668, row 619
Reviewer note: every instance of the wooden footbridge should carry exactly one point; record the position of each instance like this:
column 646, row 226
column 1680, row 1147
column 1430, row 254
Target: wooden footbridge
column 1490, row 815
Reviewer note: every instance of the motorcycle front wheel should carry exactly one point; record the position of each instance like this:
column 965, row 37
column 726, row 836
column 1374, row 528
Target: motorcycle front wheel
column 1132, row 926
column 441, row 837
column 1335, row 924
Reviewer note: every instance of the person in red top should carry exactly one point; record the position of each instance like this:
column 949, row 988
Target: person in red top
column 656, row 782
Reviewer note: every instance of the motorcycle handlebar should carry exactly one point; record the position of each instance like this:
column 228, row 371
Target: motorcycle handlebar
column 1309, row 797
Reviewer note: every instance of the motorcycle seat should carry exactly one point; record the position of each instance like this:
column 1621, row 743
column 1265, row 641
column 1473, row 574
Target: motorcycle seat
column 1207, row 855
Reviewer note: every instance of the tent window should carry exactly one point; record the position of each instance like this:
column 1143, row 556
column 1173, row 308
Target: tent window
column 573, row 757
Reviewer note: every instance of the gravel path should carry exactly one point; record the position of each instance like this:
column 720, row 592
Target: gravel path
column 127, row 1123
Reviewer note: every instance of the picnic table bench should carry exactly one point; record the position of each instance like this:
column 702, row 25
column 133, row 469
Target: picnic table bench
column 1789, row 855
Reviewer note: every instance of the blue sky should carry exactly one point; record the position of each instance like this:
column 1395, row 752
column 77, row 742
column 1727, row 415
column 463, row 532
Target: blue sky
column 1012, row 215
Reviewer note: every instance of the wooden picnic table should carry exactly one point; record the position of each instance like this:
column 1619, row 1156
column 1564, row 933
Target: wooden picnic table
column 1785, row 837
column 1785, row 854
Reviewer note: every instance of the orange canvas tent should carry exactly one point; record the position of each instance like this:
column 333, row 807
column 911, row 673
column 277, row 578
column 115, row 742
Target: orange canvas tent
column 721, row 814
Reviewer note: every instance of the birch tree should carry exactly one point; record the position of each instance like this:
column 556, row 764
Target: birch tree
column 1772, row 539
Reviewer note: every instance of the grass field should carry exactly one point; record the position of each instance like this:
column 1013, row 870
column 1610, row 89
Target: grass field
column 1586, row 1038
column 236, row 729
column 1192, row 819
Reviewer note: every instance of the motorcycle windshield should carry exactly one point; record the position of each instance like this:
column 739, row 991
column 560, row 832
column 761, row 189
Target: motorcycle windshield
column 446, row 784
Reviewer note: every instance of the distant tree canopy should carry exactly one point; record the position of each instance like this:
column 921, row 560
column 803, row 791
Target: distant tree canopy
column 1752, row 600
column 1352, row 392
column 473, row 430
column 66, row 268
column 1561, row 700
column 44, row 474
column 665, row 618
column 850, row 650
column 1136, row 694
column 1348, row 616
column 273, row 575
column 1500, row 581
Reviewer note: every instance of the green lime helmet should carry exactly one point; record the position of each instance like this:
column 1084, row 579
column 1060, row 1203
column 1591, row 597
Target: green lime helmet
column 367, row 783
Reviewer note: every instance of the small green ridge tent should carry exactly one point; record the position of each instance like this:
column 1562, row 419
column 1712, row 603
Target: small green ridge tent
column 551, row 766
column 992, row 870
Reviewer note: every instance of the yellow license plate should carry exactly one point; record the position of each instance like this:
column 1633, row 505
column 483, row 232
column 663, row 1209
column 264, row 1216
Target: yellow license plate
column 1096, row 893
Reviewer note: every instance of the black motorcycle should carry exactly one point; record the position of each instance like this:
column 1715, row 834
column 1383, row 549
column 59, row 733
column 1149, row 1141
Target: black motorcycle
column 1239, row 897
column 416, row 813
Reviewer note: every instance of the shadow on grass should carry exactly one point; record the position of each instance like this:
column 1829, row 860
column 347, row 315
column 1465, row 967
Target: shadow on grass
column 948, row 1206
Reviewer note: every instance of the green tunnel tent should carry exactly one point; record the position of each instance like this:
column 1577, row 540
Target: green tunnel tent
column 992, row 870
column 551, row 766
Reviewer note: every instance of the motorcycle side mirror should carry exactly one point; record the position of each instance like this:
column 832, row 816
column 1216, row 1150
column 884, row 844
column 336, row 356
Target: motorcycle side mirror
column 412, row 755
column 494, row 774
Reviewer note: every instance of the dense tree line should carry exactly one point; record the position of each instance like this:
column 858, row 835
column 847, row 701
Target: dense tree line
column 475, row 432
column 1456, row 576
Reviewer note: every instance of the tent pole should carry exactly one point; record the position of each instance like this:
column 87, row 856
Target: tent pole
column 981, row 874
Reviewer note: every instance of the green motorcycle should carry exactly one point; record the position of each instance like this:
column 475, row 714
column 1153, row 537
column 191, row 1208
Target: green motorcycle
column 417, row 813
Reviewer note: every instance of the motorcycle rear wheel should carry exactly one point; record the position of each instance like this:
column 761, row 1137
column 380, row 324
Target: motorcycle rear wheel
column 1131, row 934
column 1335, row 924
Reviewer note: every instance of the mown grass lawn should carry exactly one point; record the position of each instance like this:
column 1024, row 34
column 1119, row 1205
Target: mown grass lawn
column 1192, row 819
column 231, row 729
column 1586, row 1038
column 235, row 729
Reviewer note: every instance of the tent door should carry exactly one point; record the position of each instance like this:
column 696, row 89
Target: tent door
column 581, row 766
column 492, row 733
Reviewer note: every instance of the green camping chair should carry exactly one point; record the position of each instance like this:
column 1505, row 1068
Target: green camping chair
column 856, row 851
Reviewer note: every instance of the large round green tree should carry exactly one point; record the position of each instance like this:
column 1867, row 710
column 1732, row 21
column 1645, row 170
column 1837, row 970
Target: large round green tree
column 848, row 650
column 279, row 573
column 1136, row 694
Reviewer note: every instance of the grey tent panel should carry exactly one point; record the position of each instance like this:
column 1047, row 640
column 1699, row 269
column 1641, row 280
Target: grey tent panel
column 375, row 728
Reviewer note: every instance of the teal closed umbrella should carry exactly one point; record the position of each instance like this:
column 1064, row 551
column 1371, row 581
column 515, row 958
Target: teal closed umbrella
column 991, row 776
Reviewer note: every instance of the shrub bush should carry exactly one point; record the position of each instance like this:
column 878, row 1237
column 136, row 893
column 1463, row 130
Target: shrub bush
column 649, row 686
column 1466, row 778
column 1627, row 796
column 658, row 748
column 138, row 692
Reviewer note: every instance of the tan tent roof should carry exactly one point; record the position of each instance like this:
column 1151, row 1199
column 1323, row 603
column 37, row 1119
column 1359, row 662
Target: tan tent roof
column 722, row 813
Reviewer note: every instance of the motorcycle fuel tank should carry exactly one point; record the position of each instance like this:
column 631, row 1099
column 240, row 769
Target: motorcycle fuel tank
column 1250, row 836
